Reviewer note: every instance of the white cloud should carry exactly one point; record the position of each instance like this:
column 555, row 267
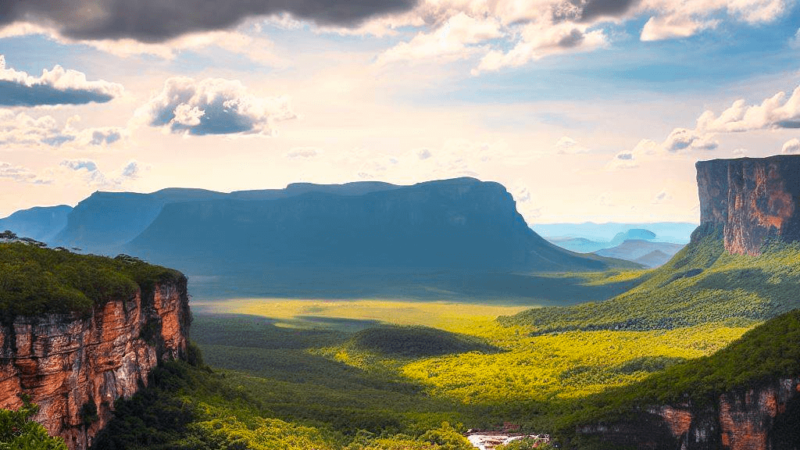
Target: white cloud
column 777, row 111
column 682, row 139
column 630, row 159
column 91, row 174
column 673, row 26
column 22, row 130
column 54, row 87
column 539, row 40
column 455, row 39
column 683, row 18
column 20, row 174
column 568, row 146
column 213, row 106
column 791, row 147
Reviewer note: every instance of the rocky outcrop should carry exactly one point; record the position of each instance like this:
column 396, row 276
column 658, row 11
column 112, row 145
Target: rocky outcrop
column 74, row 367
column 753, row 199
column 762, row 418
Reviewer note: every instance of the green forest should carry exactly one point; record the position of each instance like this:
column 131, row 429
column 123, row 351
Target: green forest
column 376, row 374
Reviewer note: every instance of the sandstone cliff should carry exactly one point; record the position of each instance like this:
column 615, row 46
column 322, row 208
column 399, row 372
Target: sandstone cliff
column 745, row 419
column 753, row 199
column 75, row 366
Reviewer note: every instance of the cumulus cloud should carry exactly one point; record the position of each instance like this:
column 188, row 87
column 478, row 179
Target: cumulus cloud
column 454, row 39
column 674, row 26
column 777, row 111
column 791, row 147
column 568, row 146
column 23, row 130
column 630, row 159
column 795, row 41
column 683, row 139
column 20, row 174
column 53, row 87
column 304, row 153
column 423, row 154
column 213, row 106
column 158, row 21
column 91, row 174
column 684, row 18
column 539, row 40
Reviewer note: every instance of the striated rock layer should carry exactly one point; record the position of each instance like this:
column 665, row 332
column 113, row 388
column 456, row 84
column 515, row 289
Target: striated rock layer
column 761, row 418
column 754, row 199
column 67, row 363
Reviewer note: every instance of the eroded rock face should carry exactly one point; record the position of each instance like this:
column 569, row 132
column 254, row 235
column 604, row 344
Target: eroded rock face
column 753, row 199
column 67, row 362
column 739, row 420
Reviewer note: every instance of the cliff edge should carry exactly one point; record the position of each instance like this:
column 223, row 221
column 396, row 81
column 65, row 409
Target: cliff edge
column 75, row 364
column 753, row 199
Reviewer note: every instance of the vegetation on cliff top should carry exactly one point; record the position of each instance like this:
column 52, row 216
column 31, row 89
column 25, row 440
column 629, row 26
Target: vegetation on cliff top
column 762, row 355
column 36, row 280
column 701, row 284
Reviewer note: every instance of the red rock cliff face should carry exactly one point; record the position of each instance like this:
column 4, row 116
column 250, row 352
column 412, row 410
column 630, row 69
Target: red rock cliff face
column 752, row 198
column 65, row 362
column 739, row 420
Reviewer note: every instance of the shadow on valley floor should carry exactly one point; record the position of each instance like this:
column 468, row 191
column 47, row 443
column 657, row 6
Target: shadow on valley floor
column 283, row 369
column 487, row 288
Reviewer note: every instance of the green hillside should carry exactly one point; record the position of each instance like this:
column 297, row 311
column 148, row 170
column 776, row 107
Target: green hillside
column 701, row 284
column 36, row 280
column 763, row 354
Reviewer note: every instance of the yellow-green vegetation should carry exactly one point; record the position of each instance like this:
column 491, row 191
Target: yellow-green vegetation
column 36, row 280
column 702, row 284
column 190, row 407
column 338, row 314
column 346, row 374
column 763, row 355
column 19, row 432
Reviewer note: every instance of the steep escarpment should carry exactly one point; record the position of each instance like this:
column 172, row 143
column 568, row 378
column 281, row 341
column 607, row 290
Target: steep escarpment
column 75, row 363
column 451, row 224
column 753, row 199
column 763, row 417
column 746, row 396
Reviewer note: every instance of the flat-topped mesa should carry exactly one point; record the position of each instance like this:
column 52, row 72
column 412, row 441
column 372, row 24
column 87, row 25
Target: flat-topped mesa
column 753, row 199
column 74, row 366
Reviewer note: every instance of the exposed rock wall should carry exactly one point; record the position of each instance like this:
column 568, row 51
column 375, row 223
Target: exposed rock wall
column 753, row 199
column 738, row 420
column 67, row 362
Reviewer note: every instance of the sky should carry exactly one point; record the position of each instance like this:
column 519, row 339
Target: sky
column 585, row 110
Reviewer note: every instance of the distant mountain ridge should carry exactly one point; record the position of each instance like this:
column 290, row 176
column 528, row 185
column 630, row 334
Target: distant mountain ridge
column 41, row 223
column 672, row 232
column 460, row 223
column 451, row 224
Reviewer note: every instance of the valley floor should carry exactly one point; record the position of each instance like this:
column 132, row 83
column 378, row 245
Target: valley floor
column 302, row 360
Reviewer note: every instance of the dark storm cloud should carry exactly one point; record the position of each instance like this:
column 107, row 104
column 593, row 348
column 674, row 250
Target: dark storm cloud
column 588, row 10
column 159, row 20
column 571, row 40
column 592, row 9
